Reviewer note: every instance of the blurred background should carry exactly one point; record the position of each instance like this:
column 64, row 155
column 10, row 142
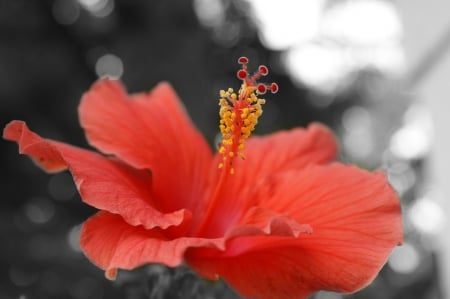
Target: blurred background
column 375, row 71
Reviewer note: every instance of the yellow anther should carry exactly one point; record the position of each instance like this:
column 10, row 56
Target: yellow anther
column 238, row 118
column 239, row 113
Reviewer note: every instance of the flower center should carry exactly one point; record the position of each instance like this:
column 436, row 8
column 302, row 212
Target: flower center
column 239, row 113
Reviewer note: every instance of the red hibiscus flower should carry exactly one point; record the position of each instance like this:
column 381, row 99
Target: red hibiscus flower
column 275, row 216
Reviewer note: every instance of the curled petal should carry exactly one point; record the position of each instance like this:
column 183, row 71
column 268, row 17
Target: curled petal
column 150, row 131
column 111, row 244
column 260, row 221
column 104, row 183
column 39, row 150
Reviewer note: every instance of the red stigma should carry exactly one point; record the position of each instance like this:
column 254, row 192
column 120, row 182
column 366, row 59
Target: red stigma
column 263, row 70
column 250, row 81
column 262, row 89
column 243, row 60
column 273, row 87
column 242, row 74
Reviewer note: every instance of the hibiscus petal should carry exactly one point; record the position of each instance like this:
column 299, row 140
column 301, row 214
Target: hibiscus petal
column 150, row 131
column 104, row 183
column 355, row 219
column 335, row 198
column 111, row 243
column 267, row 274
column 284, row 150
column 266, row 155
column 292, row 149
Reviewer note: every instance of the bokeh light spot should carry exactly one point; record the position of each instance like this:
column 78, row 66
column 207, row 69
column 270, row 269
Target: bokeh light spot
column 413, row 140
column 109, row 65
column 211, row 13
column 404, row 259
column 98, row 8
column 427, row 215
column 39, row 210
column 66, row 12
column 356, row 118
column 73, row 238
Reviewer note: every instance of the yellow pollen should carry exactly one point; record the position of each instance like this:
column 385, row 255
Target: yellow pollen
column 238, row 117
column 239, row 113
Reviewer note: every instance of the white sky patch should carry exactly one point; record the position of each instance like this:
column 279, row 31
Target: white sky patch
column 326, row 45
column 287, row 23
column 364, row 22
